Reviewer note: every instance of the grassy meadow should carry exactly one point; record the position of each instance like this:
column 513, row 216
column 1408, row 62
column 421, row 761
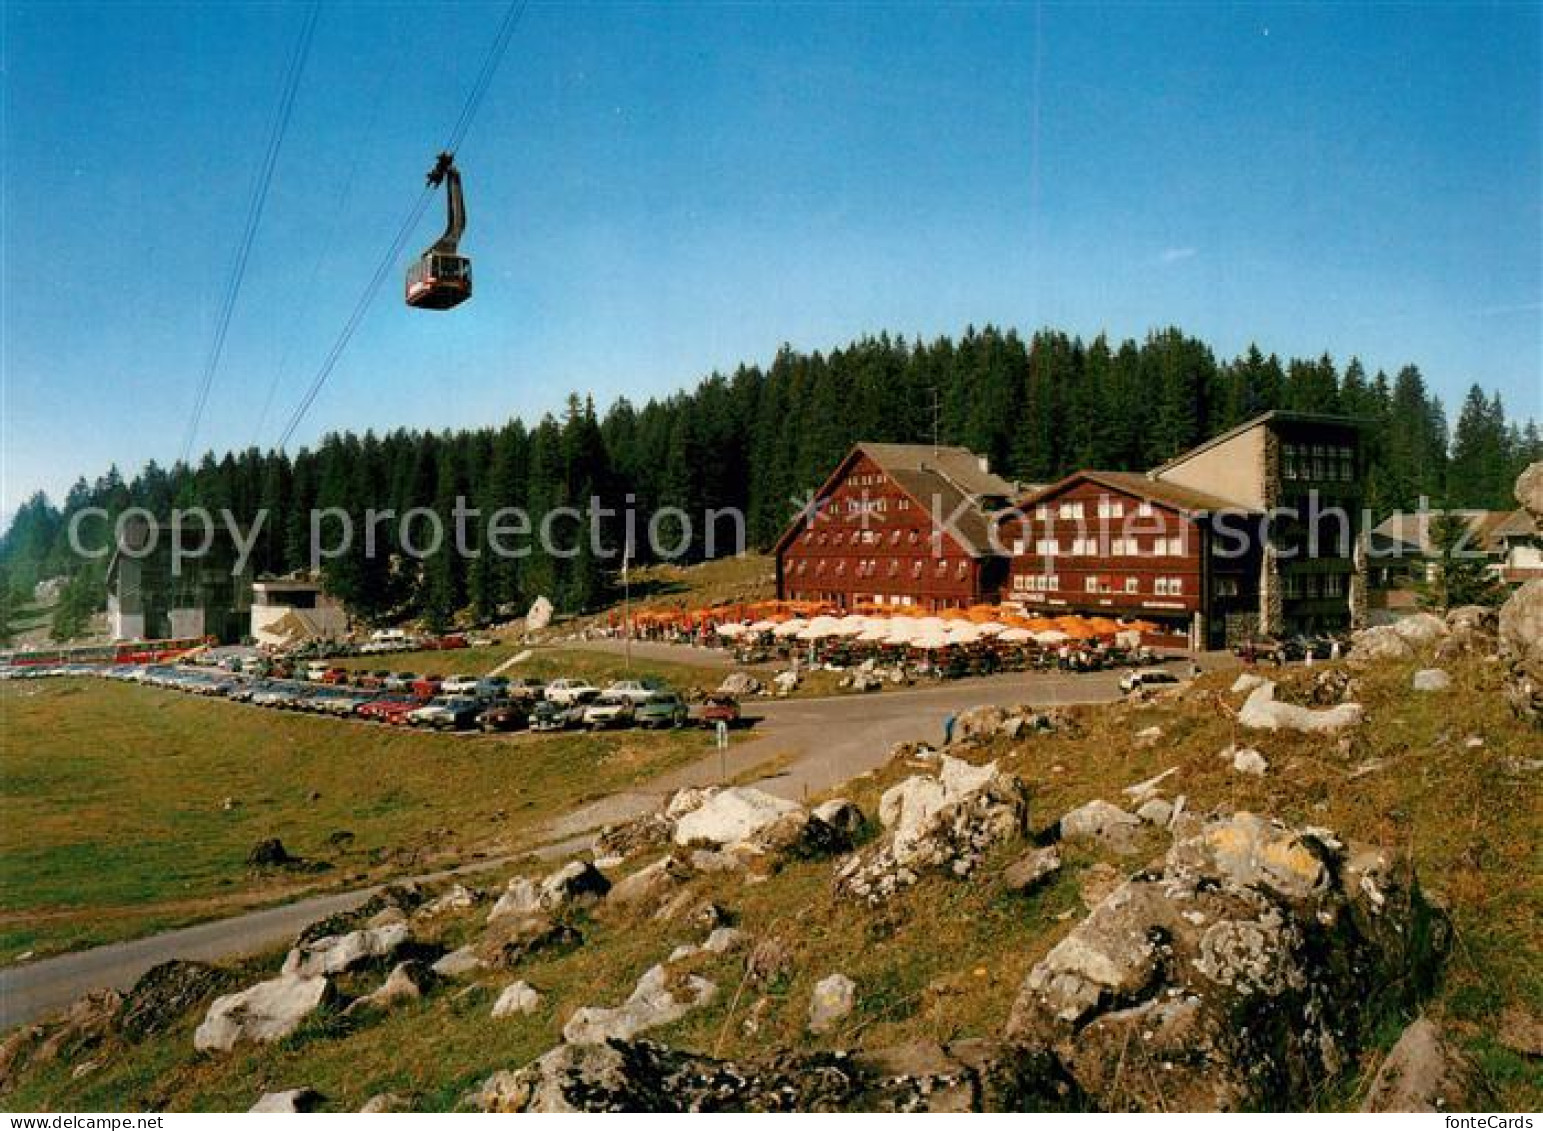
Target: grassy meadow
column 125, row 809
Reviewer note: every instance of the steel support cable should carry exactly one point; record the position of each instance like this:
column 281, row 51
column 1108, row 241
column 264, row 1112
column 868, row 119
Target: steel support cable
column 249, row 231
column 458, row 133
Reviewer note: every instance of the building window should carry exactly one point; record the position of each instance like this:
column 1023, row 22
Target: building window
column 1111, row 508
column 819, row 567
column 1144, row 510
column 1334, row 585
column 1291, row 586
column 894, row 567
column 1018, row 548
column 1288, row 461
column 916, row 568
column 1090, row 584
column 1175, row 586
column 1042, row 512
column 1346, row 465
column 1226, row 587
column 964, row 568
column 942, row 566
column 1048, row 547
column 1069, row 510
column 1132, row 585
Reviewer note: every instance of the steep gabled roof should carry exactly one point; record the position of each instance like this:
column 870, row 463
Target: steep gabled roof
column 947, row 482
column 1161, row 492
column 1485, row 528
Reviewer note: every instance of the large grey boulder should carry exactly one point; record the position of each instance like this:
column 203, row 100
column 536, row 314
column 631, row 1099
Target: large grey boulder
column 832, row 1002
column 947, row 824
column 517, row 1000
column 1380, row 643
column 654, row 1002
column 640, row 1076
column 577, row 883
column 1262, row 711
column 731, row 816
column 1420, row 629
column 1421, row 1073
column 262, row 1013
column 1431, row 680
column 1251, row 964
column 1521, row 649
column 334, row 954
column 1529, row 490
column 1099, row 822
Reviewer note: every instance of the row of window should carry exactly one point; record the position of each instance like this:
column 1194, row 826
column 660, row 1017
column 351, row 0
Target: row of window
column 1074, row 511
column 861, row 537
column 870, row 567
column 1328, row 463
column 1311, row 586
column 1126, row 547
column 1050, row 583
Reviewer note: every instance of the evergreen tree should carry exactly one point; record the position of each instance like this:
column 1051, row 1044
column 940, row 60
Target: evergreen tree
column 1461, row 573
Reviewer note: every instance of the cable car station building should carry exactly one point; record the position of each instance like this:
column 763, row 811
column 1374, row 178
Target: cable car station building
column 1254, row 532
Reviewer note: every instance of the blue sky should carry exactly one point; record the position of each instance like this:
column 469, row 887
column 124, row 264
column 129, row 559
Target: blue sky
column 656, row 191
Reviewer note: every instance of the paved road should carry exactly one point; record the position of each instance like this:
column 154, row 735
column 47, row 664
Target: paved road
column 816, row 745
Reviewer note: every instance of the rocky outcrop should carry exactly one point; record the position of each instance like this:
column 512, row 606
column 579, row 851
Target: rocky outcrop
column 71, row 1035
column 407, row 982
column 511, row 938
column 731, row 816
column 334, row 954
column 944, row 824
column 576, row 884
column 1521, row 649
column 1262, row 711
column 165, row 994
column 1242, row 970
column 660, row 997
column 1377, row 644
column 1031, row 870
column 1421, row 1073
column 1101, row 823
column 262, row 1013
column 1431, row 680
column 640, row 1076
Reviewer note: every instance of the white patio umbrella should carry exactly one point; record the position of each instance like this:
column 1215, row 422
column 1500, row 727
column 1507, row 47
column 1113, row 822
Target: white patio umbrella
column 1015, row 636
column 1051, row 636
column 931, row 642
column 992, row 628
column 790, row 628
column 874, row 633
column 763, row 626
column 732, row 630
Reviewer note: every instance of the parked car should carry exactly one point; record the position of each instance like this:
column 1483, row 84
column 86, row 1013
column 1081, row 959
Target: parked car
column 458, row 684
column 526, row 688
column 447, row 712
column 549, row 715
column 492, row 687
column 334, row 676
column 608, row 711
column 571, row 691
column 637, row 690
column 382, row 707
column 719, row 708
column 398, row 681
column 1147, row 677
column 505, row 714
column 426, row 686
column 665, row 709
column 395, row 712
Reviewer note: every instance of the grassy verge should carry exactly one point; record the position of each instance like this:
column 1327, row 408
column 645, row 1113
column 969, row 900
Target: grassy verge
column 946, row 959
column 127, row 809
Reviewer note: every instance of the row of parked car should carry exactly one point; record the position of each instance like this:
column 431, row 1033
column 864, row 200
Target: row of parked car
column 489, row 703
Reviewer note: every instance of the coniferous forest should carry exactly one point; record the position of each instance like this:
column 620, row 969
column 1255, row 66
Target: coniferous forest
column 757, row 439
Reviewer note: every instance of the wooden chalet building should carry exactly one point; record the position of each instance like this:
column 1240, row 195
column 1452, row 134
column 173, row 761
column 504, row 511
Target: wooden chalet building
column 1124, row 545
column 904, row 525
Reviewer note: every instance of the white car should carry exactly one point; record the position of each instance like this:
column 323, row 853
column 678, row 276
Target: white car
column 458, row 685
column 635, row 690
column 609, row 711
column 1148, row 677
column 571, row 691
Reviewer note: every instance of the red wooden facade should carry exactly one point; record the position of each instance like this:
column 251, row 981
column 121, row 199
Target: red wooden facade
column 870, row 540
column 1119, row 545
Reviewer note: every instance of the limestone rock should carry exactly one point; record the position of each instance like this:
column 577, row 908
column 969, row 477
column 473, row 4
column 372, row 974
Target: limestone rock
column 334, row 954
column 657, row 1000
column 1032, row 869
column 1246, row 760
column 165, row 994
column 1521, row 649
column 458, row 897
column 290, row 1102
column 408, row 981
column 1262, row 711
column 647, row 889
column 1431, row 679
column 739, row 685
column 1252, row 961
column 459, row 963
column 1156, row 812
column 1420, row 629
column 832, row 1002
column 1104, row 824
column 383, row 1102
column 639, row 1076
column 517, row 1000
column 262, row 1013
column 1421, row 1073
column 731, row 816
column 841, row 815
column 510, row 939
column 1380, row 643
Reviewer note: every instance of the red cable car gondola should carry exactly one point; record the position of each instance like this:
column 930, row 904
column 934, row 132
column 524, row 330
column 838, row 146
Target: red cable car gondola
column 441, row 277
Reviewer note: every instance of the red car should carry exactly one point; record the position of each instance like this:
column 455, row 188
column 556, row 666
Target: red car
column 719, row 708
column 335, row 676
column 426, row 687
